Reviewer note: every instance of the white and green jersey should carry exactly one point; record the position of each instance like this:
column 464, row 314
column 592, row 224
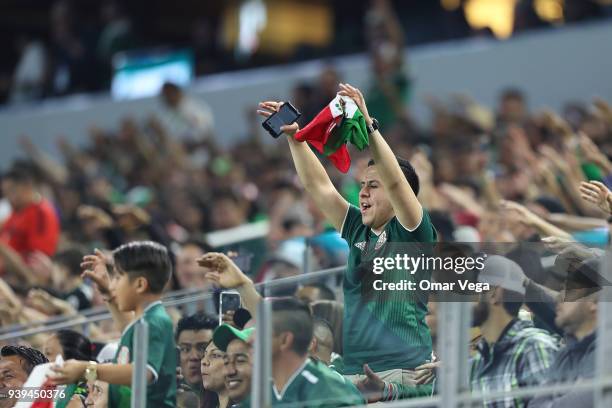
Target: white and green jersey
column 314, row 385
column 161, row 361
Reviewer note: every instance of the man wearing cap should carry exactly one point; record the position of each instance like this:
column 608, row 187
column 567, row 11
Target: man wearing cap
column 16, row 364
column 238, row 361
column 512, row 353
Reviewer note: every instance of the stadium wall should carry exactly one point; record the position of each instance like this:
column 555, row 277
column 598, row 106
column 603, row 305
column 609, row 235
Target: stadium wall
column 552, row 66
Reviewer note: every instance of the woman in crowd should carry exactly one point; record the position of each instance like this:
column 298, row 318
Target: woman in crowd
column 213, row 379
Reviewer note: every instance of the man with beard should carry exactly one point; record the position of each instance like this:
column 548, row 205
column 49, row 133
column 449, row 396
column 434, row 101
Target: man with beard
column 512, row 353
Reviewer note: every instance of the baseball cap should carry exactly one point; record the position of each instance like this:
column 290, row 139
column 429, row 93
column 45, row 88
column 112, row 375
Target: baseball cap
column 503, row 272
column 225, row 333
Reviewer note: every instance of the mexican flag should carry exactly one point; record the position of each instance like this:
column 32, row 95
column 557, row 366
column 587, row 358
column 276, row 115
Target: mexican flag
column 339, row 123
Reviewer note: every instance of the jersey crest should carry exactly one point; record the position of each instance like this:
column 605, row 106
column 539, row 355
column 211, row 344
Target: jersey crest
column 382, row 239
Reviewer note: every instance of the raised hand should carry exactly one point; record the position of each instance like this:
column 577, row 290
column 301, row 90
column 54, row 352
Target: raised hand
column 222, row 270
column 268, row 108
column 597, row 193
column 94, row 268
column 425, row 373
column 68, row 373
column 96, row 216
column 372, row 386
column 130, row 217
column 356, row 95
column 593, row 154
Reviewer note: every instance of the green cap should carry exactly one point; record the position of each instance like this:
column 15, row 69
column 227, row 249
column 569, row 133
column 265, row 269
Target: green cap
column 225, row 333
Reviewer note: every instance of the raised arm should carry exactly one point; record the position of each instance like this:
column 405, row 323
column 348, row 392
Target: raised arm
column 313, row 176
column 221, row 270
column 405, row 204
column 94, row 268
column 16, row 265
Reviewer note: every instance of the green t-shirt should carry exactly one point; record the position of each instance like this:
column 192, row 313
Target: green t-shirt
column 161, row 361
column 385, row 329
column 315, row 385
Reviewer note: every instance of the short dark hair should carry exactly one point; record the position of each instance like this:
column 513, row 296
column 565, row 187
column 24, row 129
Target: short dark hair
column 146, row 259
column 74, row 345
column 31, row 357
column 293, row 315
column 197, row 321
column 23, row 171
column 411, row 176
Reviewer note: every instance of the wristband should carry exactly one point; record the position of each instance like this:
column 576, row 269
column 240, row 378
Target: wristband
column 385, row 392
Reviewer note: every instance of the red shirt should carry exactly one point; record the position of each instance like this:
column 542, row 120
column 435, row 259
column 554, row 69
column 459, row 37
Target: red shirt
column 32, row 228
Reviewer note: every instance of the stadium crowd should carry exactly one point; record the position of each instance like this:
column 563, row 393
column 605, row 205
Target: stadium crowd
column 123, row 220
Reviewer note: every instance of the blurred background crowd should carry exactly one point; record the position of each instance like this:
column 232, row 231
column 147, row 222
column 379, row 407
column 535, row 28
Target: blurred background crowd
column 504, row 173
column 61, row 47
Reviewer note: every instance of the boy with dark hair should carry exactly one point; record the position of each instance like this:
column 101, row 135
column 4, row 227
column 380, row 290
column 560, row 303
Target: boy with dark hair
column 193, row 333
column 141, row 270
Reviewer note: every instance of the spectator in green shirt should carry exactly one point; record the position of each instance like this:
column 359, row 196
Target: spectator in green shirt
column 238, row 361
column 141, row 270
column 386, row 331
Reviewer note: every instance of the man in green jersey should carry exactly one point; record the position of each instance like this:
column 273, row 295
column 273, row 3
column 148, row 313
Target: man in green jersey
column 238, row 361
column 297, row 379
column 141, row 270
column 383, row 329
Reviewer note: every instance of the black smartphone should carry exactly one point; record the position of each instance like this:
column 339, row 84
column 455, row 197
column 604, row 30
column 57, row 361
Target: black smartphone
column 286, row 115
column 228, row 301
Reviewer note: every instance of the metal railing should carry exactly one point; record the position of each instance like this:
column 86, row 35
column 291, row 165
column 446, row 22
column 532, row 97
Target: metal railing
column 453, row 325
column 176, row 298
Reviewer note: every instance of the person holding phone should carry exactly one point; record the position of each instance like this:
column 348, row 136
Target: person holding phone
column 392, row 337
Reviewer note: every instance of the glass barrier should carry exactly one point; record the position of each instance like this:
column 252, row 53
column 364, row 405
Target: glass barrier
column 446, row 325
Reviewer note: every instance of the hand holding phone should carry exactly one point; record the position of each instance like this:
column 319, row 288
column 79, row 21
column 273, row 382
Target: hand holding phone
column 228, row 302
column 286, row 114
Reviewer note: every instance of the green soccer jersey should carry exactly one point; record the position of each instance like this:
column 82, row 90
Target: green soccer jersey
column 314, row 385
column 385, row 329
column 161, row 361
